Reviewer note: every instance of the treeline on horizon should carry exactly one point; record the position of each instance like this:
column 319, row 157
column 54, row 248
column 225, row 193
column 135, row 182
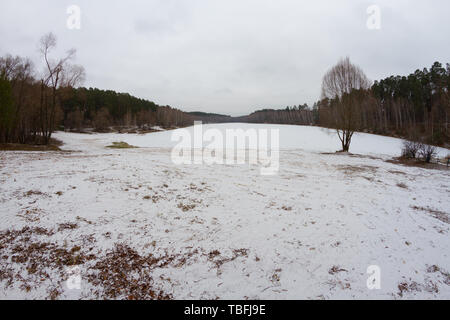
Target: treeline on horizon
column 32, row 106
column 103, row 109
column 295, row 115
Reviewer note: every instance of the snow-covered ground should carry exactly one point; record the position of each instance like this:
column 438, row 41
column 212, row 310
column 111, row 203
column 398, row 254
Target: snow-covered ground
column 135, row 223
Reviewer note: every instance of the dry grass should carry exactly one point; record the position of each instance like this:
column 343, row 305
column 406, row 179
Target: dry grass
column 397, row 172
column 336, row 269
column 349, row 154
column 123, row 273
column 121, row 145
column 351, row 169
column 31, row 214
column 29, row 259
column 30, row 193
column 67, row 226
column 413, row 286
column 186, row 207
column 402, row 185
column 408, row 287
column 443, row 273
column 26, row 261
column 218, row 260
column 27, row 147
column 440, row 215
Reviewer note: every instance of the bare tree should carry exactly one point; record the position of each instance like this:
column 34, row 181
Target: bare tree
column 344, row 86
column 58, row 73
column 411, row 149
column 72, row 76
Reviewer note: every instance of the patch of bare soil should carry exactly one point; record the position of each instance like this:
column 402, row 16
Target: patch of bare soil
column 364, row 156
column 67, row 226
column 350, row 169
column 429, row 285
column 417, row 163
column 440, row 215
column 402, row 185
column 397, row 172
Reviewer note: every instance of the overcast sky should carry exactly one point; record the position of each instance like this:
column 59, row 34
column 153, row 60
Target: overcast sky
column 230, row 56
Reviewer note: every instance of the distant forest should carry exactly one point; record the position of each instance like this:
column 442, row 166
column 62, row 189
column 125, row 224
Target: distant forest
column 31, row 107
column 101, row 110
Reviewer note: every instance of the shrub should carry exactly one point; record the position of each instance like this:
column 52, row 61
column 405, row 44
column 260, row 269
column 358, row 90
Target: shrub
column 121, row 145
column 410, row 149
column 427, row 152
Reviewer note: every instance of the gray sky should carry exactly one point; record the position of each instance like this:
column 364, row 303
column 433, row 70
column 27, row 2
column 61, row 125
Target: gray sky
column 230, row 56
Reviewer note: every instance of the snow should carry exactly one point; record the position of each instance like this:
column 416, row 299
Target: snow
column 305, row 138
column 320, row 211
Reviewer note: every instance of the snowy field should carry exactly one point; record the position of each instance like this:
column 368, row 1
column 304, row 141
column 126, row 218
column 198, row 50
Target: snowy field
column 134, row 225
